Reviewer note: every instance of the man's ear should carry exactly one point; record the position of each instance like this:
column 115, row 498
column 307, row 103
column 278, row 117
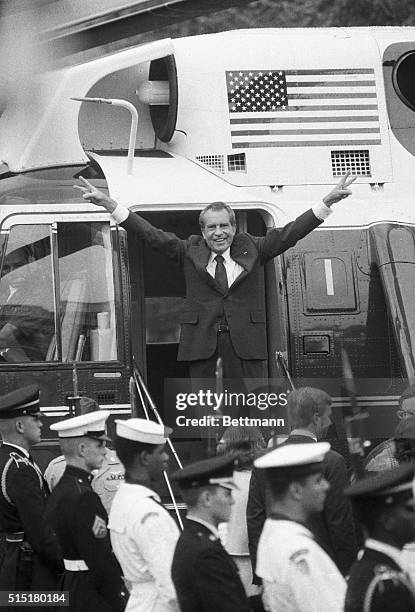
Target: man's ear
column 144, row 456
column 206, row 498
column 19, row 425
column 296, row 490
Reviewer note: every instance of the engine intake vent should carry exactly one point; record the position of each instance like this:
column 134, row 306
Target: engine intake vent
column 213, row 161
column 358, row 162
column 237, row 162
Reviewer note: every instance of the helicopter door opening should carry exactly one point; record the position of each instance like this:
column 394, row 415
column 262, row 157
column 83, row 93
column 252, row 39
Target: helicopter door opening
column 164, row 287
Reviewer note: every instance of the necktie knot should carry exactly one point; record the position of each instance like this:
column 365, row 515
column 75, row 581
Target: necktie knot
column 219, row 259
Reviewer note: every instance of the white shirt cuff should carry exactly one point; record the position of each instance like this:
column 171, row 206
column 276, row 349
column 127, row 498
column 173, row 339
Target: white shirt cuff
column 120, row 214
column 320, row 210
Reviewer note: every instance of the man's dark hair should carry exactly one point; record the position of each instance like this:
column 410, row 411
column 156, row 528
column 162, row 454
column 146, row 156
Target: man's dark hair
column 191, row 496
column 303, row 403
column 216, row 207
column 127, row 450
column 278, row 484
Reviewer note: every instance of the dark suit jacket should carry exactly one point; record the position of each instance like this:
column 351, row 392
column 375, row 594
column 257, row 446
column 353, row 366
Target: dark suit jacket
column 378, row 574
column 204, row 575
column 243, row 303
column 333, row 528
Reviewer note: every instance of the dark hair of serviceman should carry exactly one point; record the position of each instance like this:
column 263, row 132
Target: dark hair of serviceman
column 217, row 207
column 307, row 406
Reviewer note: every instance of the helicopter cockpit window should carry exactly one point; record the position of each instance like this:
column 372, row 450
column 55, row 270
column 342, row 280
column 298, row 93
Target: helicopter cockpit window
column 57, row 294
column 27, row 314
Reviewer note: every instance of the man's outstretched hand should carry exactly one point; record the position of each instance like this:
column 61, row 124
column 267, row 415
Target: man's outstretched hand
column 95, row 196
column 340, row 191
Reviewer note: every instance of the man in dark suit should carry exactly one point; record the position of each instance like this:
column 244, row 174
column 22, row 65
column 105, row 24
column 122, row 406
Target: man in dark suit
column 309, row 411
column 225, row 306
column 204, row 575
column 384, row 504
column 33, row 559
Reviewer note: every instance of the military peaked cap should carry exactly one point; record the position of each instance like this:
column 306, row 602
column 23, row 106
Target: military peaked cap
column 389, row 487
column 21, row 402
column 215, row 471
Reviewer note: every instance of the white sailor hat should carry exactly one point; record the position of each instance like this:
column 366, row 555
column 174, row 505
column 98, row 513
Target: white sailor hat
column 294, row 460
column 91, row 425
column 142, row 430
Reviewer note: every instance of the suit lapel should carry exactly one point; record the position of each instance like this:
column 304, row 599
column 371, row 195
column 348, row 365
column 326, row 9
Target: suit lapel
column 200, row 255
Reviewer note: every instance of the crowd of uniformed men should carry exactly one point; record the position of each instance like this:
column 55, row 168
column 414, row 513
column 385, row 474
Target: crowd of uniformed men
column 139, row 559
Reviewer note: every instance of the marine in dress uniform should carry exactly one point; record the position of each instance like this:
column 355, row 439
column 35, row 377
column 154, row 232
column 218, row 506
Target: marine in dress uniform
column 204, row 574
column 297, row 575
column 143, row 534
column 106, row 480
column 92, row 575
column 385, row 506
column 33, row 559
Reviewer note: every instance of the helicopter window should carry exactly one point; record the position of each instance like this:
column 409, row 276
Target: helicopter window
column 403, row 79
column 57, row 294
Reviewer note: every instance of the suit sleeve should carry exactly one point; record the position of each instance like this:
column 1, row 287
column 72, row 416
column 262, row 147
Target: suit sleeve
column 255, row 516
column 279, row 239
column 339, row 517
column 92, row 541
column 215, row 581
column 24, row 489
column 166, row 243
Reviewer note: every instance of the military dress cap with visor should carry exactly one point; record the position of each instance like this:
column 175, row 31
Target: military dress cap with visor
column 385, row 489
column 216, row 471
column 142, row 430
column 294, row 460
column 21, row 402
column 90, row 425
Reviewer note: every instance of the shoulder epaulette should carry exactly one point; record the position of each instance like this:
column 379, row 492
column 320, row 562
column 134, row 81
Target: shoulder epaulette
column 382, row 574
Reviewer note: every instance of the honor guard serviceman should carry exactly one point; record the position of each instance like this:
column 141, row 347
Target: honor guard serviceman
column 33, row 559
column 205, row 576
column 143, row 533
column 225, row 296
column 92, row 575
column 106, row 479
column 384, row 504
column 298, row 576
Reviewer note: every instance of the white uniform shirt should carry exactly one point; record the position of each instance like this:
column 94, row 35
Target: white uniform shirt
column 143, row 537
column 298, row 575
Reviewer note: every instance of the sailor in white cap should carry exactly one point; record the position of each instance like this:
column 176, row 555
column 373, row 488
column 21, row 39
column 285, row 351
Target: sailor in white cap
column 92, row 575
column 143, row 534
column 298, row 576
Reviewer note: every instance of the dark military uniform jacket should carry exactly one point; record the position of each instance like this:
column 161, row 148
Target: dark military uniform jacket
column 80, row 522
column 378, row 584
column 32, row 557
column 204, row 575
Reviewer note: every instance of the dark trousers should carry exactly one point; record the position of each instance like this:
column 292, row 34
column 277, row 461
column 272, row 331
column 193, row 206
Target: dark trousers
column 233, row 366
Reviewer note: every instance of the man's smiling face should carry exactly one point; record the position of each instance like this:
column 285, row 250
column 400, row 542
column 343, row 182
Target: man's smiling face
column 218, row 230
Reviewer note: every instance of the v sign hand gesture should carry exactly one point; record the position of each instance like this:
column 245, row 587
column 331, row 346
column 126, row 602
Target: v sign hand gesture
column 95, row 196
column 340, row 191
